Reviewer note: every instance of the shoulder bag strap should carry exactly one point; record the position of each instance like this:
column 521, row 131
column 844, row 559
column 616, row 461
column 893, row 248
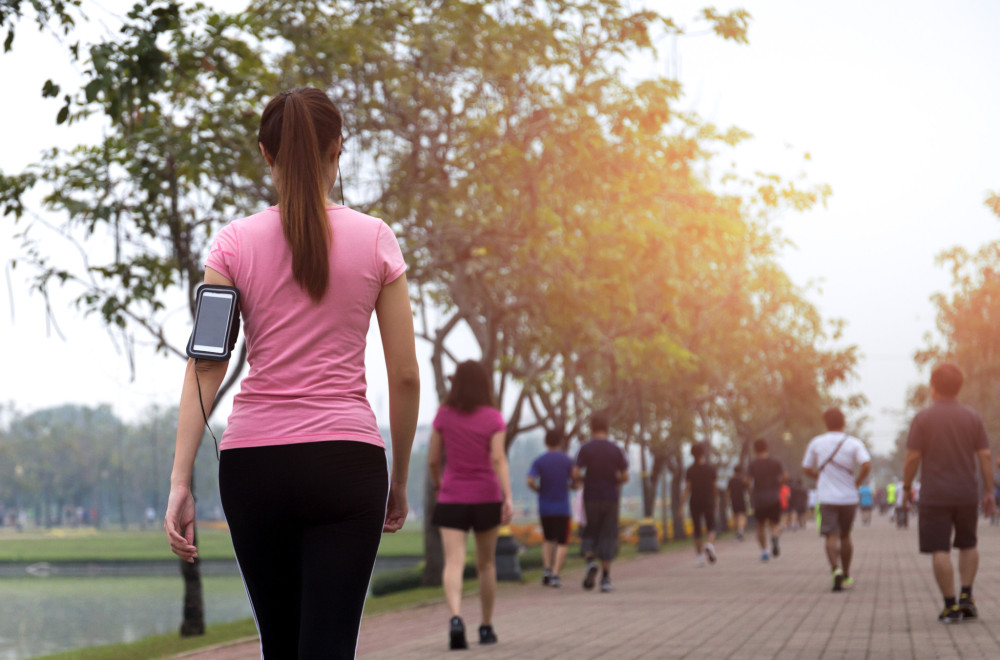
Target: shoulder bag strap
column 830, row 457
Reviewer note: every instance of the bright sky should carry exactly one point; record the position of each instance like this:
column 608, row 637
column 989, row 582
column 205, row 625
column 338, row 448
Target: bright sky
column 896, row 103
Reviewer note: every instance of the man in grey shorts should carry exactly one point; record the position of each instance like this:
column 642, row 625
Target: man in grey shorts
column 832, row 459
column 602, row 466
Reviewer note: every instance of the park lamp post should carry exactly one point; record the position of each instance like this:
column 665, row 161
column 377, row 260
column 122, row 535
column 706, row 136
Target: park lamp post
column 18, row 473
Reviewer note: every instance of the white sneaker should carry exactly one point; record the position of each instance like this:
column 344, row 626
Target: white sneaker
column 710, row 551
column 700, row 561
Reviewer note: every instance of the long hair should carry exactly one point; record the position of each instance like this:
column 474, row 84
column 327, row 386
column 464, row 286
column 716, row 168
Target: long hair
column 470, row 387
column 297, row 130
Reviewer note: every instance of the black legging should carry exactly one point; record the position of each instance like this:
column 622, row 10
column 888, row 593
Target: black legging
column 306, row 521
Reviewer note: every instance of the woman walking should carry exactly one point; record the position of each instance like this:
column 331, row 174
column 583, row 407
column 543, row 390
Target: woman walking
column 473, row 491
column 302, row 471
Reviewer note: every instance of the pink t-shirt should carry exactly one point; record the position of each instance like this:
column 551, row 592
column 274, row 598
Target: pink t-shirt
column 468, row 476
column 307, row 360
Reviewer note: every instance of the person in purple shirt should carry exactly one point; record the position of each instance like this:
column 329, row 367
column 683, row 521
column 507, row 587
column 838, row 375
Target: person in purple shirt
column 473, row 490
column 551, row 476
column 602, row 466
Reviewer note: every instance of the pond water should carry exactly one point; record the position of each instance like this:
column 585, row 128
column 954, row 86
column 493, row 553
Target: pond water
column 39, row 616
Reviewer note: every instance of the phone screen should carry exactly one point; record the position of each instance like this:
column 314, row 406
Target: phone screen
column 212, row 322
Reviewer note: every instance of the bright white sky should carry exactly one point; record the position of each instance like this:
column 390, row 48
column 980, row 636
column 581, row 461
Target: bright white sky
column 895, row 101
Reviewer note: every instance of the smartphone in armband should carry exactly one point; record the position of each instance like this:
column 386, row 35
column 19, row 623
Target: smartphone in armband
column 216, row 323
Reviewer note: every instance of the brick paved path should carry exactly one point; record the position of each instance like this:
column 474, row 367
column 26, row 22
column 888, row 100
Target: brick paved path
column 664, row 607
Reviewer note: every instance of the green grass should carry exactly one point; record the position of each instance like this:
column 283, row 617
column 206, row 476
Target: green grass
column 91, row 545
column 134, row 545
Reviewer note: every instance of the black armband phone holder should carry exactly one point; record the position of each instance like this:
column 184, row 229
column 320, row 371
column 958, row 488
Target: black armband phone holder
column 216, row 323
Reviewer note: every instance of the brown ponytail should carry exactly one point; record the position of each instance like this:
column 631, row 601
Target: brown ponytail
column 298, row 129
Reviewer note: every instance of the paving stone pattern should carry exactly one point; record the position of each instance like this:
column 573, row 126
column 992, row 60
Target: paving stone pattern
column 666, row 607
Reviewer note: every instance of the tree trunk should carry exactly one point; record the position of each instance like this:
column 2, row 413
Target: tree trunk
column 677, row 504
column 433, row 549
column 193, row 623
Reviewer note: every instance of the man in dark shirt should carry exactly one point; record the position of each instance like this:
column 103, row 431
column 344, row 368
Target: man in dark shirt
column 603, row 468
column 700, row 487
column 737, row 488
column 767, row 474
column 946, row 438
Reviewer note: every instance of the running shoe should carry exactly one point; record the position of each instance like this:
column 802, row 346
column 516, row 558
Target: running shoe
column 606, row 585
column 546, row 577
column 486, row 635
column 765, row 555
column 968, row 608
column 700, row 561
column 588, row 580
column 838, row 579
column 950, row 615
column 710, row 551
column 554, row 581
column 775, row 547
column 739, row 535
column 456, row 634
column 848, row 583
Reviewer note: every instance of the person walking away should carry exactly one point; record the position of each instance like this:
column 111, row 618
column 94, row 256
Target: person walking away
column 798, row 504
column 701, row 493
column 890, row 497
column 551, row 476
column 302, row 468
column 867, row 502
column 832, row 460
column 473, row 491
column 767, row 474
column 785, row 495
column 603, row 468
column 946, row 438
column 737, row 489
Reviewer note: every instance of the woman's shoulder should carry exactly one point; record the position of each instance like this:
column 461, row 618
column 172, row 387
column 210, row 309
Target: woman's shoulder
column 266, row 217
column 347, row 215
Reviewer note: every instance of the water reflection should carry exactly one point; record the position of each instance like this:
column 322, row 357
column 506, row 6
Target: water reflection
column 42, row 616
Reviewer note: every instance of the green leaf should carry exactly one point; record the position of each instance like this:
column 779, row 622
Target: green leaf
column 92, row 89
column 50, row 89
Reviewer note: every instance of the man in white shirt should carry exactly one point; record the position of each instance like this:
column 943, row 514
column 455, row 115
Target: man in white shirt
column 832, row 459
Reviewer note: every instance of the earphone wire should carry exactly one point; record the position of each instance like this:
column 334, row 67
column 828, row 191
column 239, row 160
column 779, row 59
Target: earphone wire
column 340, row 176
column 201, row 402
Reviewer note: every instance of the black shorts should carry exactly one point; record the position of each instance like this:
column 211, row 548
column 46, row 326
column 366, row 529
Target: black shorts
column 767, row 512
column 478, row 517
column 836, row 519
column 938, row 522
column 702, row 515
column 556, row 529
column 739, row 506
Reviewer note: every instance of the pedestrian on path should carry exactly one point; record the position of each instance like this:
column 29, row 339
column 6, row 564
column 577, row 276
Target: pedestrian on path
column 701, row 493
column 832, row 459
column 302, row 470
column 946, row 438
column 603, row 468
column 551, row 476
column 867, row 502
column 473, row 491
column 767, row 474
column 798, row 504
column 737, row 488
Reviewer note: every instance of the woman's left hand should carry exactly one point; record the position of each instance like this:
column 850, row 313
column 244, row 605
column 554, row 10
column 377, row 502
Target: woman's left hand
column 507, row 511
column 396, row 508
column 179, row 523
